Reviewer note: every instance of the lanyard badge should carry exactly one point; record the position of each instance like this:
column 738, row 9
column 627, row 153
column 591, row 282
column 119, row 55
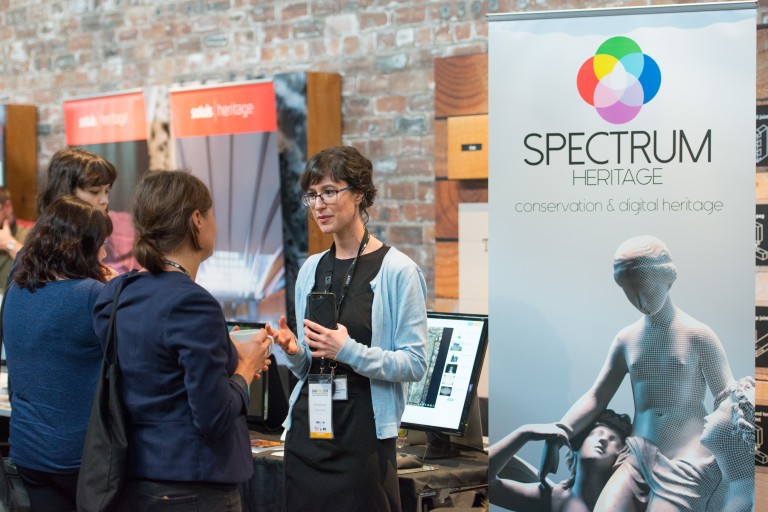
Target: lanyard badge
column 320, row 406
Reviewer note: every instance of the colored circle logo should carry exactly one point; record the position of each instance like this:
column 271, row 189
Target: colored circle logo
column 618, row 80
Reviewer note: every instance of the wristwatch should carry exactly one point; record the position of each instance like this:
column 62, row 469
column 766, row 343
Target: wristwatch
column 10, row 245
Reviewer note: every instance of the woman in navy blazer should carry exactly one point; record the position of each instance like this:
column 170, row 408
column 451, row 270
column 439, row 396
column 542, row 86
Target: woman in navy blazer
column 185, row 383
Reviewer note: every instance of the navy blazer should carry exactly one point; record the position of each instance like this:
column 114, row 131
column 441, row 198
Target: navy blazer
column 186, row 415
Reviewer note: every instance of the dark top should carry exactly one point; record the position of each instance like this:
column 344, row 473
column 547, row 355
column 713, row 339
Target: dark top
column 355, row 310
column 6, row 262
column 186, row 415
column 53, row 358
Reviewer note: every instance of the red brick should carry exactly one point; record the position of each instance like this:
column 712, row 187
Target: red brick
column 409, row 15
column 276, row 32
column 372, row 20
column 293, row 11
column 351, row 45
column 418, row 212
column 463, row 31
column 401, row 191
column 389, row 104
column 373, row 84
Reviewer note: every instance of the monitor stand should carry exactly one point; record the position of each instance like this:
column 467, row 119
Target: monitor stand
column 439, row 446
column 443, row 446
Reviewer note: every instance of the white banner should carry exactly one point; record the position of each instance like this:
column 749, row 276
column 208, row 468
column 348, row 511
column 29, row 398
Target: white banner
column 606, row 126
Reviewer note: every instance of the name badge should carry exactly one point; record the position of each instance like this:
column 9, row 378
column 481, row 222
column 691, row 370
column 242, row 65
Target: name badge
column 320, row 406
column 340, row 387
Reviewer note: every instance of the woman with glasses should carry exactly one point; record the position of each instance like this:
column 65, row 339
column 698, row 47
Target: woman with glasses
column 52, row 351
column 340, row 451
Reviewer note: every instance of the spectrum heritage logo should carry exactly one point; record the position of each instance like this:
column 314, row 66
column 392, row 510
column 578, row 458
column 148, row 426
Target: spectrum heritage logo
column 618, row 80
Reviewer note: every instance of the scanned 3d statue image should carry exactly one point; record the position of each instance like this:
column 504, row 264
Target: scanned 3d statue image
column 677, row 455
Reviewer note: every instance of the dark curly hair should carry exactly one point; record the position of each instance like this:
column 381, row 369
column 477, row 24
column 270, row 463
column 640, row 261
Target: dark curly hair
column 64, row 243
column 73, row 168
column 342, row 163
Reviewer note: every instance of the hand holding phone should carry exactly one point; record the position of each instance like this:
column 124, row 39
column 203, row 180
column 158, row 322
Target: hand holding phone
column 321, row 309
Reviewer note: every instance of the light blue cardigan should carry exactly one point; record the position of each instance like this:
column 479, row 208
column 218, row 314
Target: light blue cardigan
column 397, row 354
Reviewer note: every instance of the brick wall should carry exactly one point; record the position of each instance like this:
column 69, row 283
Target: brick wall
column 52, row 50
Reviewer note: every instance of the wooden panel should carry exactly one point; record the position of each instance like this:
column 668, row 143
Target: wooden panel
column 447, row 270
column 323, row 111
column 468, row 147
column 323, row 130
column 461, row 85
column 21, row 159
column 448, row 195
column 761, row 189
column 441, row 148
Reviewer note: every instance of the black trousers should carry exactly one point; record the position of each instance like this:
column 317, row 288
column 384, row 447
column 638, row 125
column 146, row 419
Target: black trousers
column 159, row 495
column 50, row 492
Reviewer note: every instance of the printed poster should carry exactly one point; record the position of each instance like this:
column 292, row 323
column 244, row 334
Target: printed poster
column 115, row 127
column 622, row 264
column 227, row 136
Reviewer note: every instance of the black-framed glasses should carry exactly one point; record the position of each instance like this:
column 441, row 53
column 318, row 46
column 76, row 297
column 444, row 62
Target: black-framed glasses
column 328, row 196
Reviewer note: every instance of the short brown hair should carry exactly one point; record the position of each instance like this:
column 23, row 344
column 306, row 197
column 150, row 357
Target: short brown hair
column 342, row 163
column 73, row 168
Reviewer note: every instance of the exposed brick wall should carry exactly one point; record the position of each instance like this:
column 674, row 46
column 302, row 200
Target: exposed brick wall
column 53, row 50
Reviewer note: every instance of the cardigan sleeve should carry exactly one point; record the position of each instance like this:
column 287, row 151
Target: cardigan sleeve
column 400, row 354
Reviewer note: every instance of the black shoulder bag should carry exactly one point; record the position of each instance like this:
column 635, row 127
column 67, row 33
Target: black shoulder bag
column 103, row 467
column 13, row 492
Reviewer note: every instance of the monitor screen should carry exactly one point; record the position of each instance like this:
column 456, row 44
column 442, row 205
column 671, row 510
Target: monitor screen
column 441, row 401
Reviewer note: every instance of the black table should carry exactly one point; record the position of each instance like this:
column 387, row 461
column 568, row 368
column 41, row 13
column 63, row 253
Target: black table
column 419, row 490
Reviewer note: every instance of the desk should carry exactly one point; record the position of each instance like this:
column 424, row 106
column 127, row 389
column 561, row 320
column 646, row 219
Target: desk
column 423, row 490
column 264, row 492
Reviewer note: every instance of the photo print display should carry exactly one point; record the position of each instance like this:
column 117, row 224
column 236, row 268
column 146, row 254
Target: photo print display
column 227, row 137
column 114, row 126
column 606, row 194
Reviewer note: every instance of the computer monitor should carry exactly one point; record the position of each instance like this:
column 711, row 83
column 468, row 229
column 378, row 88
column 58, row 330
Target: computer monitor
column 444, row 402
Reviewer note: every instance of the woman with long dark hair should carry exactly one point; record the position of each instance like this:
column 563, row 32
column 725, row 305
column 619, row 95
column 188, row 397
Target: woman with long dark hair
column 52, row 351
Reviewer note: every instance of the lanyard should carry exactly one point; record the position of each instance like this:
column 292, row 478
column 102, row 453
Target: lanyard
column 350, row 270
column 344, row 286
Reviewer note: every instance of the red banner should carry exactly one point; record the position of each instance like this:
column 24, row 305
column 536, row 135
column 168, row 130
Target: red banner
column 224, row 110
column 105, row 119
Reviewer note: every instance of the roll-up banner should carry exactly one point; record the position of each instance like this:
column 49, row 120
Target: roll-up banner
column 621, row 253
column 226, row 135
column 114, row 126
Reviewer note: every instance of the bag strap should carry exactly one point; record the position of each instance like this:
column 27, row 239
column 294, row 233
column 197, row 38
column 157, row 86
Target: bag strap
column 2, row 309
column 110, row 350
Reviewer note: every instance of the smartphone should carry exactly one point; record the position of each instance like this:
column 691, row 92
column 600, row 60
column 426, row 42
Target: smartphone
column 321, row 309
